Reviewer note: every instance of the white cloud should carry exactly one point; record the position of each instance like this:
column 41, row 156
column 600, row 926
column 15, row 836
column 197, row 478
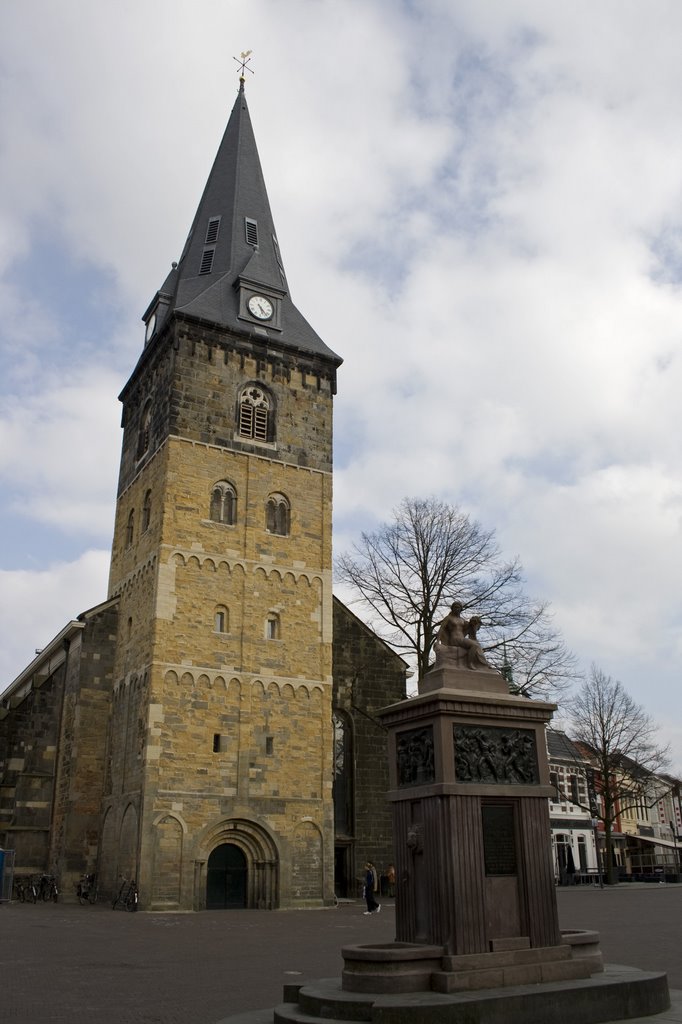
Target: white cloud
column 479, row 207
column 36, row 605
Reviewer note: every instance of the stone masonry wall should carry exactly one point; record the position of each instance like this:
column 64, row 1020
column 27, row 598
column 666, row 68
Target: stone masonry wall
column 76, row 820
column 176, row 675
column 28, row 744
column 368, row 676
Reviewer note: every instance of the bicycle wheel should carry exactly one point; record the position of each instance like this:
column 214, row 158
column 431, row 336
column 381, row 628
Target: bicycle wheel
column 21, row 893
column 33, row 894
column 55, row 894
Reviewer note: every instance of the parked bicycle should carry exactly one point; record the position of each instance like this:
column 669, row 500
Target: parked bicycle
column 25, row 889
column 127, row 896
column 48, row 888
column 86, row 889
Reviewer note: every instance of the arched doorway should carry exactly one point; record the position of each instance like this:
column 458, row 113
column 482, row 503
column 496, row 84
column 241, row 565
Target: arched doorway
column 226, row 878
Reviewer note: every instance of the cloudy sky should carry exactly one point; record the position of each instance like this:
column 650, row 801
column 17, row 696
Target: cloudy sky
column 479, row 207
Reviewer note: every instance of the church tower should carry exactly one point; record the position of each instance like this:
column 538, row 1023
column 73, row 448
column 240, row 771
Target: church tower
column 218, row 789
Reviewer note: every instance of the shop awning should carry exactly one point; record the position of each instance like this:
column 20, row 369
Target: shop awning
column 657, row 842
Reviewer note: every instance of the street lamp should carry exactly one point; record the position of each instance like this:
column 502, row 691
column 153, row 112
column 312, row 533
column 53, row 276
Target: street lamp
column 595, row 823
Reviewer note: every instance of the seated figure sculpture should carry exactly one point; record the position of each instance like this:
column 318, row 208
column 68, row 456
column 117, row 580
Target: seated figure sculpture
column 456, row 642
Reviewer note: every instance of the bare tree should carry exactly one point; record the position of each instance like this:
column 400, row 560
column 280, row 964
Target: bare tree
column 409, row 570
column 619, row 739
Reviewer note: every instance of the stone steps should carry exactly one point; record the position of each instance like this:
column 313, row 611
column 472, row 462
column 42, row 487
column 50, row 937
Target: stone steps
column 616, row 995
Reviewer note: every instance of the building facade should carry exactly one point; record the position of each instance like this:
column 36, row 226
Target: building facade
column 184, row 733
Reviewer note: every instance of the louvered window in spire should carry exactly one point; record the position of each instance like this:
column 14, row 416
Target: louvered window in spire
column 212, row 230
column 251, row 231
column 207, row 261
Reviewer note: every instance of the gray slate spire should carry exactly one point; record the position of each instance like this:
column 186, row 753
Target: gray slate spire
column 232, row 249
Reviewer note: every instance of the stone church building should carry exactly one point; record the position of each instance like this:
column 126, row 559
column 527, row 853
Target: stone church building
column 210, row 729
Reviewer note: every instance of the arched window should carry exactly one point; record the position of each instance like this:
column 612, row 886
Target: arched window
column 272, row 627
column 278, row 515
column 224, row 503
column 130, row 528
column 343, row 773
column 221, row 619
column 255, row 407
column 144, row 436
column 146, row 511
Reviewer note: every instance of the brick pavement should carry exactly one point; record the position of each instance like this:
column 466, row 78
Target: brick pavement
column 66, row 964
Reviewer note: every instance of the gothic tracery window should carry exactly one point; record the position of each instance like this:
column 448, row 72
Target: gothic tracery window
column 343, row 773
column 255, row 413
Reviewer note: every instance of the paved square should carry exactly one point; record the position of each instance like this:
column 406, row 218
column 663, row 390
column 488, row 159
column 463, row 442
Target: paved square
column 78, row 965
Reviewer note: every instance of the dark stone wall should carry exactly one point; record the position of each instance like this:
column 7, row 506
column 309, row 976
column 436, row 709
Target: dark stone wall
column 368, row 676
column 82, row 748
column 190, row 378
column 28, row 741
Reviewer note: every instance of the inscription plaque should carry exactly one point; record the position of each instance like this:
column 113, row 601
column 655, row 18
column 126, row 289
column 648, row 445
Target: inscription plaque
column 499, row 840
column 507, row 756
column 415, row 757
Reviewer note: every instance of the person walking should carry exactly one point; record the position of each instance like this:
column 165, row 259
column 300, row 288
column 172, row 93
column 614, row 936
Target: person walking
column 370, row 888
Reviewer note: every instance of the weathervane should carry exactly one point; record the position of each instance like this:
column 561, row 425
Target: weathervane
column 243, row 59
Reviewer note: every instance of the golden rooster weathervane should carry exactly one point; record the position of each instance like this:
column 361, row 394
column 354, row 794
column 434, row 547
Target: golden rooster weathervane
column 243, row 60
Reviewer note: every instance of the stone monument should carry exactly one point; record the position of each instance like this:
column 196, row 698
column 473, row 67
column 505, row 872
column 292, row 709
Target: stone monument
column 469, row 789
column 477, row 929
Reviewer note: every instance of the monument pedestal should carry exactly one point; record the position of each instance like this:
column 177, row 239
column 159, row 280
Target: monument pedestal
column 477, row 932
column 469, row 789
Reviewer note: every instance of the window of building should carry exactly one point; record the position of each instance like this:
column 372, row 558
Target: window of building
column 343, row 773
column 221, row 619
column 272, row 627
column 554, row 783
column 130, row 528
column 255, row 414
column 251, row 228
column 206, row 265
column 218, row 743
column 144, row 435
column 269, row 746
column 224, row 503
column 146, row 511
column 212, row 230
column 575, row 790
column 278, row 515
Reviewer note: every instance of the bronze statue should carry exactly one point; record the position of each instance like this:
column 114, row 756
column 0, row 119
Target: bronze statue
column 457, row 640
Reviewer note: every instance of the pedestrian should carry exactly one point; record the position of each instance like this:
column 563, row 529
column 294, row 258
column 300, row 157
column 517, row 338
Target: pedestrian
column 390, row 875
column 371, row 884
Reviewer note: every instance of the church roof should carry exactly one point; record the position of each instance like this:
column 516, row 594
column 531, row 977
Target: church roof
column 232, row 245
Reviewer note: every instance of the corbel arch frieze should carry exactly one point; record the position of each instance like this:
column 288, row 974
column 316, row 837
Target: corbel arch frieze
column 137, row 575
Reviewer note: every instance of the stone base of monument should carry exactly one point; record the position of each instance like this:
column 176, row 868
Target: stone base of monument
column 406, row 967
column 405, row 983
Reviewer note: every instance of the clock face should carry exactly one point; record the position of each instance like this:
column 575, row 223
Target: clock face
column 260, row 307
column 151, row 327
